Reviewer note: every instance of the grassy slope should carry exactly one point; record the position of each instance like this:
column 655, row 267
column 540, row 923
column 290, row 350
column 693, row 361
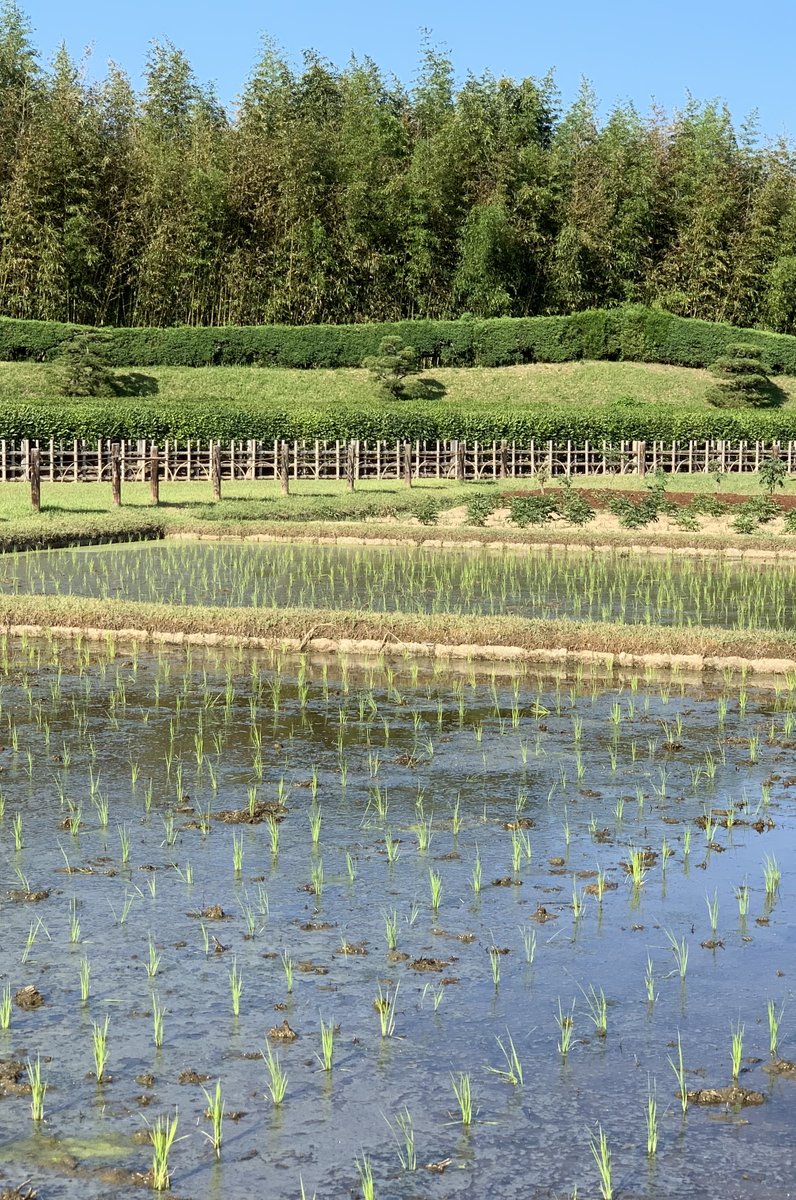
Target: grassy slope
column 543, row 383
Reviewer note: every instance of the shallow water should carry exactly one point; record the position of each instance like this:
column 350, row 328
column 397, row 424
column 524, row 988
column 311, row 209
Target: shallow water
column 505, row 750
column 412, row 579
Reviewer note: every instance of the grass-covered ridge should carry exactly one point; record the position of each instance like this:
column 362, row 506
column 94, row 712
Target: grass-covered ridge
column 582, row 401
column 431, row 634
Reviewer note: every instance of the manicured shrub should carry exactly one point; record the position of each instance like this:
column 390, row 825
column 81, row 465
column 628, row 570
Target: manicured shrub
column 742, row 381
column 531, row 510
column 479, row 508
column 634, row 333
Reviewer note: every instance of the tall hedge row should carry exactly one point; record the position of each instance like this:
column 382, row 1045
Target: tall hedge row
column 223, row 420
column 632, row 333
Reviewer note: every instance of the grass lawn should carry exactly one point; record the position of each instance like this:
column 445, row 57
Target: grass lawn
column 180, row 502
column 542, row 383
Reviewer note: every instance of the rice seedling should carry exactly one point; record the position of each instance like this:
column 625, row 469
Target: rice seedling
column 736, row 1049
column 315, row 820
column 680, row 952
column 462, row 1090
column 649, row 982
column 124, row 843
column 157, row 1022
column 215, row 1111
column 597, row 1009
column 636, row 862
column 99, row 1041
column 651, row 1118
column 351, row 866
column 38, row 1088
column 476, row 875
column 153, row 962
column 16, row 826
column 326, row 1057
column 273, row 832
column 407, row 1154
column 392, row 847
column 237, row 853
column 742, row 896
column 774, row 1021
column 602, row 1156
column 365, row 1177
column 435, row 884
column 494, row 963
column 316, row 875
column 277, row 1085
column 85, row 979
column 391, row 928
column 287, row 967
column 162, row 1136
column 529, row 943
column 385, row 1007
column 512, row 1071
column 5, row 1006
column 33, row 932
column 577, row 900
column 771, row 875
column 422, row 831
column 713, row 912
column 566, row 1028
column 236, row 987
column 679, row 1072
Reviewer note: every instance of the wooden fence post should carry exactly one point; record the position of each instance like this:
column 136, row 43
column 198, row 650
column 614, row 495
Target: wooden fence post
column 458, row 450
column 34, row 470
column 284, row 474
column 215, row 469
column 116, row 475
column 154, row 476
column 407, row 457
column 502, row 460
column 350, row 454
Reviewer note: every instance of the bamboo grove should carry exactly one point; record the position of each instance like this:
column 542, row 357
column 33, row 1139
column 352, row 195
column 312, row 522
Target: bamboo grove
column 332, row 194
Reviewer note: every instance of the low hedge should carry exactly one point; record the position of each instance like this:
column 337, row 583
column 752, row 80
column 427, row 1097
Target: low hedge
column 391, row 421
column 51, row 530
column 633, row 333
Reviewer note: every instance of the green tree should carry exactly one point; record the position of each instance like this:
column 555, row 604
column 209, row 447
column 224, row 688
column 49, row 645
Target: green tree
column 392, row 368
column 82, row 366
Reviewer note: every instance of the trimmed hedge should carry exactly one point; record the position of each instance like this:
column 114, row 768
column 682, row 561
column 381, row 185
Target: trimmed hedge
column 633, row 333
column 53, row 530
column 92, row 419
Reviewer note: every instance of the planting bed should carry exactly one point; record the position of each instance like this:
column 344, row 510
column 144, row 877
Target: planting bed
column 182, row 820
column 410, row 579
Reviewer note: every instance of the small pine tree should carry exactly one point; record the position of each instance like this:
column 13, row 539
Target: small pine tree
column 392, row 367
column 742, row 380
column 82, row 365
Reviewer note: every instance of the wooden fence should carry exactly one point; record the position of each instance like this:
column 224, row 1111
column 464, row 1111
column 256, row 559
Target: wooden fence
column 76, row 461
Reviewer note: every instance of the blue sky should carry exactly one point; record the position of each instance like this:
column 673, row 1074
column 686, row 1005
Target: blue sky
column 640, row 51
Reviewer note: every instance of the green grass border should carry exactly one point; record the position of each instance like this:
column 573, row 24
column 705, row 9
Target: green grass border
column 693, row 648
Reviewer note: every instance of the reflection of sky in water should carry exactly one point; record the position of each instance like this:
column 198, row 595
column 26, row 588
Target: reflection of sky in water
column 529, row 1141
column 546, row 585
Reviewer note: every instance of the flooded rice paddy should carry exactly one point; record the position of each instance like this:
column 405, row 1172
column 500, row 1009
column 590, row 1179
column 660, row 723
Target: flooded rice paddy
column 542, row 890
column 541, row 584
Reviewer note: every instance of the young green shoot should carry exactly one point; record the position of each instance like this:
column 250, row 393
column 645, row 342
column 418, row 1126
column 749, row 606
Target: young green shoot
column 215, row 1112
column 512, row 1072
column 679, row 1072
column 162, row 1135
column 38, row 1089
column 464, row 1098
column 277, row 1086
column 602, row 1157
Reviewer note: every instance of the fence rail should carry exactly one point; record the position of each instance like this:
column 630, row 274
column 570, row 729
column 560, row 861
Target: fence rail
column 76, row 461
